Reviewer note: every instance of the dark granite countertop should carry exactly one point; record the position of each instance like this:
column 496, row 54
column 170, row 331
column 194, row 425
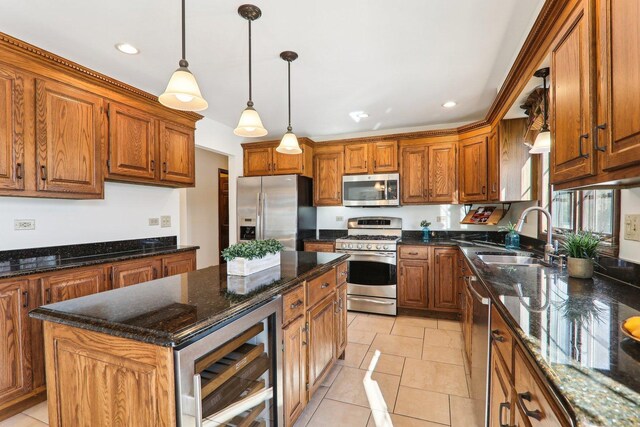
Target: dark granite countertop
column 41, row 260
column 431, row 242
column 174, row 310
column 321, row 239
column 571, row 328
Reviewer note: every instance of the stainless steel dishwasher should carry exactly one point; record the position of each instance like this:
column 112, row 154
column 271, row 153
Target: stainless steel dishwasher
column 480, row 350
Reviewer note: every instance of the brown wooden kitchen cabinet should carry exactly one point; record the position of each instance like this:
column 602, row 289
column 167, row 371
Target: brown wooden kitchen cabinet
column 322, row 341
column 319, row 247
column 177, row 155
column 372, row 158
column 572, row 155
column 428, row 173
column 413, row 277
column 356, row 158
column 179, row 263
column 12, row 172
column 73, row 284
column 69, row 140
column 261, row 158
column 328, row 168
column 132, row 146
column 15, row 351
column 445, row 280
column 133, row 272
column 294, row 369
column 473, row 169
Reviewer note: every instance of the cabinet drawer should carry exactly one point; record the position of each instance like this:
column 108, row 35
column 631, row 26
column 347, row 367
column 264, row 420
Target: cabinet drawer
column 413, row 252
column 320, row 287
column 530, row 398
column 293, row 304
column 502, row 338
column 319, row 247
column 342, row 272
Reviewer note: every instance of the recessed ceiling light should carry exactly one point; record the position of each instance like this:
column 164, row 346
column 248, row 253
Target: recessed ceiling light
column 358, row 115
column 127, row 48
column 449, row 104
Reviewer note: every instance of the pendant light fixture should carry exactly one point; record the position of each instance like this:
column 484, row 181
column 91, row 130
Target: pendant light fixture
column 542, row 143
column 250, row 124
column 182, row 92
column 289, row 143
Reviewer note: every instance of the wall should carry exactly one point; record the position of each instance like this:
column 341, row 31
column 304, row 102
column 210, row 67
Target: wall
column 629, row 204
column 202, row 207
column 123, row 214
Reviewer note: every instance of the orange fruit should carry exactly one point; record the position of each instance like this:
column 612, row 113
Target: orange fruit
column 636, row 333
column 632, row 324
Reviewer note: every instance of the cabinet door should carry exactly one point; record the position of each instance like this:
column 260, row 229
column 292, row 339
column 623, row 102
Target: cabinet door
column 177, row 153
column 571, row 149
column 493, row 163
column 619, row 71
column 445, row 289
column 414, row 175
column 15, row 355
column 257, row 161
column 473, row 169
column 322, row 341
column 132, row 142
column 12, row 116
column 178, row 264
column 295, row 370
column 412, row 286
column 285, row 164
column 68, row 135
column 385, row 157
column 74, row 284
column 500, row 408
column 442, row 173
column 327, row 179
column 341, row 320
column 356, row 158
column 134, row 272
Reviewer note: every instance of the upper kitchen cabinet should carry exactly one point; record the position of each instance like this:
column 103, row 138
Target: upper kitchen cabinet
column 572, row 155
column 68, row 137
column 132, row 143
column 261, row 158
column 12, row 110
column 177, row 154
column 473, row 169
column 328, row 168
column 428, row 173
column 372, row 158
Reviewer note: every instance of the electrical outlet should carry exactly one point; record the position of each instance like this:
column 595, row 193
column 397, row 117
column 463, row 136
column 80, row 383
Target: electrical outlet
column 632, row 227
column 441, row 219
column 24, row 224
column 339, row 218
column 165, row 221
column 154, row 221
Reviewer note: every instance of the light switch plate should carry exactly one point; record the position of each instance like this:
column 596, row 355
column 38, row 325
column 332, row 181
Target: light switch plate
column 154, row 221
column 339, row 218
column 165, row 221
column 441, row 219
column 632, row 227
column 24, row 224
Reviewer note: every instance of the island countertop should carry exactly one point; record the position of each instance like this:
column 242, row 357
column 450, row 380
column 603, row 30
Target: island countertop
column 571, row 328
column 174, row 310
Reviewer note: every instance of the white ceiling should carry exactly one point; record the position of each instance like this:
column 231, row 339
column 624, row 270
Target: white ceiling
column 396, row 60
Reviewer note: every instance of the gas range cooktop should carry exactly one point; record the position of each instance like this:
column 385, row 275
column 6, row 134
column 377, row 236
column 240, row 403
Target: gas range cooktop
column 371, row 234
column 380, row 237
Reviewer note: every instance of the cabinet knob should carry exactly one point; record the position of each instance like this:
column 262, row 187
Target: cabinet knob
column 324, row 285
column 296, row 304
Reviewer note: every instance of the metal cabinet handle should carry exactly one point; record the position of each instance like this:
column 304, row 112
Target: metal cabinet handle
column 153, row 165
column 365, row 164
column 412, row 253
column 296, row 304
column 496, row 336
column 493, row 187
column 484, row 189
column 503, row 405
column 324, row 285
column 536, row 414
column 25, row 299
column 47, row 296
column 375, row 164
column 166, row 270
column 43, row 172
column 155, row 273
column 580, row 153
column 595, row 138
column 164, row 167
column 19, row 170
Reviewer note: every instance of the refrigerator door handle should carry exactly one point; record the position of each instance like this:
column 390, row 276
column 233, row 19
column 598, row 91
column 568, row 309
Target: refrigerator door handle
column 259, row 216
column 263, row 214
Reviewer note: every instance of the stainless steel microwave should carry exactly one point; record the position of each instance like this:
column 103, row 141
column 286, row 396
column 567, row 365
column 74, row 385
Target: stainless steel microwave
column 371, row 190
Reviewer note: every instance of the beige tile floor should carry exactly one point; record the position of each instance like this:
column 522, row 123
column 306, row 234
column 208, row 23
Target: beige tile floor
column 402, row 372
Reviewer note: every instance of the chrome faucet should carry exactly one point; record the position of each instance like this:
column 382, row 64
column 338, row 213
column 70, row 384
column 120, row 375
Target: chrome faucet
column 548, row 248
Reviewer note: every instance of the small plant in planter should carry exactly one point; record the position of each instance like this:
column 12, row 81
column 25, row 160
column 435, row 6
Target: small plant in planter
column 581, row 249
column 250, row 257
column 512, row 238
column 425, row 229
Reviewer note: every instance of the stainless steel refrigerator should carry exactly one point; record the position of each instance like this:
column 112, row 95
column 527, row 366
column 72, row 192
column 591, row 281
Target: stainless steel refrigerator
column 276, row 207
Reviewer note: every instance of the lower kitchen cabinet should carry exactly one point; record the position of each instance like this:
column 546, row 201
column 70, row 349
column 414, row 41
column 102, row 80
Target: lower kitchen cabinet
column 294, row 369
column 73, row 284
column 179, row 263
column 445, row 283
column 412, row 284
column 15, row 353
column 322, row 341
column 133, row 272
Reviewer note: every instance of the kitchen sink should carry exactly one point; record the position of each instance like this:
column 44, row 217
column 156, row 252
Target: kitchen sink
column 511, row 259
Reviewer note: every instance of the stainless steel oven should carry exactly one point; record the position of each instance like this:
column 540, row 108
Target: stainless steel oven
column 371, row 190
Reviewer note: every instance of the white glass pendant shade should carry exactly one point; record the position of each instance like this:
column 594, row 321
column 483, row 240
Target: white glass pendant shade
column 289, row 144
column 250, row 124
column 542, row 144
column 183, row 93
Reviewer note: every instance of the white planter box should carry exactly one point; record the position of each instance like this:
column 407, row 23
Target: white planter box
column 245, row 284
column 245, row 267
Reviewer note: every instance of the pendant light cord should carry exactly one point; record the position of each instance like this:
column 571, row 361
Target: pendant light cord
column 183, row 62
column 289, row 128
column 250, row 102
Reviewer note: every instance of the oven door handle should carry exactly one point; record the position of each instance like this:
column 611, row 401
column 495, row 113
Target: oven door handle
column 469, row 280
column 375, row 301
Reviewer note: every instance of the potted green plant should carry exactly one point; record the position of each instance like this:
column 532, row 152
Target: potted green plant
column 425, row 229
column 581, row 249
column 247, row 258
column 512, row 238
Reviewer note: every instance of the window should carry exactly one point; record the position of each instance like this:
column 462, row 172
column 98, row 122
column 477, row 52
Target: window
column 589, row 210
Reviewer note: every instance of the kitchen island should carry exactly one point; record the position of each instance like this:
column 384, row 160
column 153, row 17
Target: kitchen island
column 110, row 356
